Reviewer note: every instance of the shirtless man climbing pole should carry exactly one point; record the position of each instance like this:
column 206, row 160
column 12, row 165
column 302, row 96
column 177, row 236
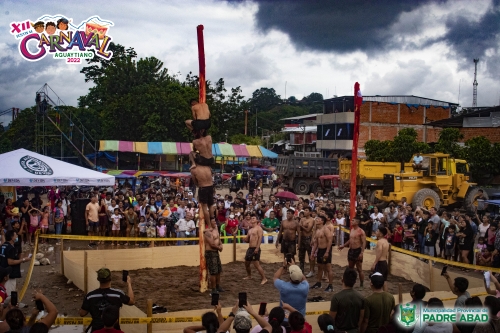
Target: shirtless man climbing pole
column 381, row 254
column 288, row 234
column 306, row 231
column 202, row 151
column 322, row 250
column 254, row 239
column 202, row 177
column 357, row 245
column 213, row 246
column 201, row 117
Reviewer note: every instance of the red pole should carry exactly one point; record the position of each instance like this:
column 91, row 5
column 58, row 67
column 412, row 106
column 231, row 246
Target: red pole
column 202, row 99
column 358, row 100
column 201, row 60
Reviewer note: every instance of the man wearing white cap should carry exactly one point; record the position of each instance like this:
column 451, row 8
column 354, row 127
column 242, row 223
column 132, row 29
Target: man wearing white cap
column 293, row 292
column 378, row 306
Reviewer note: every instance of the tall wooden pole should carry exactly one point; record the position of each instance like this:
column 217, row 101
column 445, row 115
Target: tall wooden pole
column 358, row 100
column 202, row 99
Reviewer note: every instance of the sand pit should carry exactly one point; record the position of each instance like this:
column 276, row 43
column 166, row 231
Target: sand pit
column 176, row 288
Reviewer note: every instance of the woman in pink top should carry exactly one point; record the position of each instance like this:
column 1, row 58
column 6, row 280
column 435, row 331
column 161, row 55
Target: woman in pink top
column 44, row 223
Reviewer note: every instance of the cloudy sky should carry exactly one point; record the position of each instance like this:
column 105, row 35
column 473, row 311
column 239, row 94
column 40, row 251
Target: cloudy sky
column 391, row 47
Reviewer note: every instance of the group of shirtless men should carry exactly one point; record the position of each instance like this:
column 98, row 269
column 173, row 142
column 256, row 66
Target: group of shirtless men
column 313, row 236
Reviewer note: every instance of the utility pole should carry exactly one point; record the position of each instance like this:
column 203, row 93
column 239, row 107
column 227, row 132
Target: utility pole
column 474, row 85
column 246, row 121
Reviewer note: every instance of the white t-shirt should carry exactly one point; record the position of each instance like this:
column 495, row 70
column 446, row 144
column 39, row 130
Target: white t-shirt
column 182, row 212
column 341, row 221
column 111, row 209
column 65, row 204
column 377, row 216
column 283, row 212
column 185, row 225
column 116, row 219
column 482, row 229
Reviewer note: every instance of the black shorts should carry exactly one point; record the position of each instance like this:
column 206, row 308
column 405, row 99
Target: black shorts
column 321, row 259
column 353, row 255
column 251, row 255
column 214, row 265
column 206, row 195
column 203, row 124
column 289, row 247
column 200, row 160
column 382, row 268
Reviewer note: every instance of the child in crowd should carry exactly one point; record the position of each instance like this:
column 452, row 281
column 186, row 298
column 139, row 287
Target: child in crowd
column 44, row 222
column 397, row 239
column 485, row 258
column 115, row 228
column 34, row 223
column 161, row 230
column 428, row 234
column 341, row 224
column 142, row 229
column 450, row 243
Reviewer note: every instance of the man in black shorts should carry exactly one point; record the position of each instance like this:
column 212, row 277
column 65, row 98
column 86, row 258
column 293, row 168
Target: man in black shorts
column 254, row 239
column 287, row 235
column 357, row 244
column 213, row 246
column 202, row 150
column 381, row 254
column 201, row 117
column 202, row 177
column 322, row 250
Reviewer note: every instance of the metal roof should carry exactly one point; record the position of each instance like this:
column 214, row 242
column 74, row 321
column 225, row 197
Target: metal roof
column 402, row 99
column 307, row 129
column 458, row 121
column 302, row 117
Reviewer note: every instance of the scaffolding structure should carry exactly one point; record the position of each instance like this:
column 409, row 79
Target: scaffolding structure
column 47, row 100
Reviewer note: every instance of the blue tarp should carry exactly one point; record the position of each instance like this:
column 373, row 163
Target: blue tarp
column 110, row 157
column 493, row 202
column 267, row 153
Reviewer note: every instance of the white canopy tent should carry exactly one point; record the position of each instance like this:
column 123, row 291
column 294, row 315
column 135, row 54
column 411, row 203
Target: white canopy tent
column 25, row 168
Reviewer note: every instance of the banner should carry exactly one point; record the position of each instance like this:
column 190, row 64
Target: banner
column 9, row 192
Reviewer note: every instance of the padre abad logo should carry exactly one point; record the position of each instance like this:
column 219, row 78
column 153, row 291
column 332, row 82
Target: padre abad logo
column 407, row 315
column 35, row 166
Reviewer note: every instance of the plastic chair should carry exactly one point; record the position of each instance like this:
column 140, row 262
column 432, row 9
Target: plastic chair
column 222, row 231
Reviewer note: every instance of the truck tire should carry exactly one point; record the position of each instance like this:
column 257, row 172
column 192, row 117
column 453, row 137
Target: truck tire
column 301, row 187
column 426, row 198
column 469, row 203
column 314, row 187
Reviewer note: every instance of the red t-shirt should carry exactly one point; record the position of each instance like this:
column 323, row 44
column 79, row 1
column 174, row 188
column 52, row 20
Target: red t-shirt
column 231, row 224
column 108, row 330
column 307, row 329
column 398, row 238
column 3, row 293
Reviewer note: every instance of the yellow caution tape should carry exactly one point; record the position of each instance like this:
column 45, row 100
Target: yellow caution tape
column 134, row 239
column 30, row 270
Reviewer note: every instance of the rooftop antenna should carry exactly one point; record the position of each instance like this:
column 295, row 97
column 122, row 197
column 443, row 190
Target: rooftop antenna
column 474, row 85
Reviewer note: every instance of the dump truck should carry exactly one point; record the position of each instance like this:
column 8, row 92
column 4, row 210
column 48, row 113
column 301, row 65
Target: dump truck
column 370, row 175
column 301, row 173
column 441, row 181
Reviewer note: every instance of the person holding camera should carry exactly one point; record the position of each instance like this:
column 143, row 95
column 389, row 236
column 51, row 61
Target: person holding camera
column 97, row 300
column 242, row 322
column 9, row 257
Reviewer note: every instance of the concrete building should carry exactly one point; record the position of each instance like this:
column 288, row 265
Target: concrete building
column 485, row 122
column 381, row 119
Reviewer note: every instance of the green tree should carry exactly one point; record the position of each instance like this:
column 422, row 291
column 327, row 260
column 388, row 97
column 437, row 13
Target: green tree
column 483, row 162
column 401, row 149
column 448, row 142
column 248, row 140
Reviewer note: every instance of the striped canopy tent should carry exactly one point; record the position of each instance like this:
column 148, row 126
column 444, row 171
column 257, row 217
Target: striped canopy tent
column 225, row 150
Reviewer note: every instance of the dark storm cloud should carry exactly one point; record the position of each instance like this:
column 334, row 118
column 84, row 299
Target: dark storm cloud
column 341, row 26
column 472, row 38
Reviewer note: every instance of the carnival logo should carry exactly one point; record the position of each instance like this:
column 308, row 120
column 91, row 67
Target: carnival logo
column 36, row 180
column 11, row 180
column 60, row 37
column 35, row 166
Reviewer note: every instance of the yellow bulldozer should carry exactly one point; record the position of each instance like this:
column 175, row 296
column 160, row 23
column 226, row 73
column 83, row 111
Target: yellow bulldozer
column 441, row 181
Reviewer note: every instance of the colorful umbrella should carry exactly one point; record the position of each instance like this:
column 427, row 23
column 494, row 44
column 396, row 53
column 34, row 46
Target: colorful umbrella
column 287, row 195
